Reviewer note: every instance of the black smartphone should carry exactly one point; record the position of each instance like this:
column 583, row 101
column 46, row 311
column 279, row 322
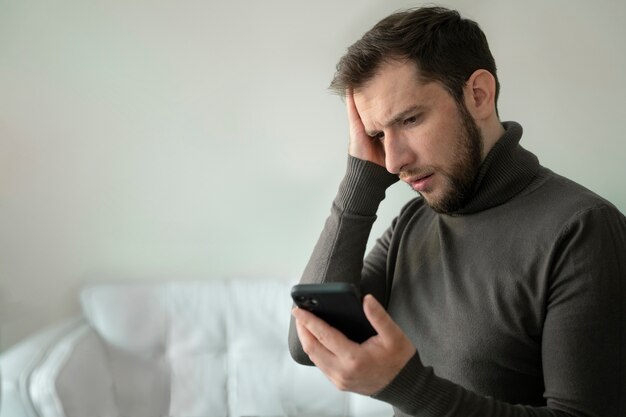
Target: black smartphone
column 339, row 304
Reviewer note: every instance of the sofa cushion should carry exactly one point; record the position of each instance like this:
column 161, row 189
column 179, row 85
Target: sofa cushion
column 131, row 317
column 84, row 381
column 197, row 347
column 208, row 348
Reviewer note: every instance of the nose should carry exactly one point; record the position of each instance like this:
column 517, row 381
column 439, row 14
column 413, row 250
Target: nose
column 397, row 153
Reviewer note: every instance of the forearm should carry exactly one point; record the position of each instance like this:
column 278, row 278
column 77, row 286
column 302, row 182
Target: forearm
column 339, row 252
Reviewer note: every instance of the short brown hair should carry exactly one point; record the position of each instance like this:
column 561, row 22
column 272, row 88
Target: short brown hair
column 444, row 46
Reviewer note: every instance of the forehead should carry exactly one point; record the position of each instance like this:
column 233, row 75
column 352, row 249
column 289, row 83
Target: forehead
column 395, row 87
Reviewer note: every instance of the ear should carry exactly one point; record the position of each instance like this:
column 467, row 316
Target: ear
column 480, row 95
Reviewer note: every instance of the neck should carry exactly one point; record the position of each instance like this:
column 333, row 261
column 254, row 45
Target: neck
column 492, row 130
column 505, row 171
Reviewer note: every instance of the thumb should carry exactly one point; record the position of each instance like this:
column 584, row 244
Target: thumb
column 378, row 317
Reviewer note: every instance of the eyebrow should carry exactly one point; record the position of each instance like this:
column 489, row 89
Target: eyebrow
column 398, row 118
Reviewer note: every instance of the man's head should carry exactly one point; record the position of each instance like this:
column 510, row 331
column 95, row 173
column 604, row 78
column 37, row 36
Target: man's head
column 444, row 46
column 424, row 87
column 428, row 139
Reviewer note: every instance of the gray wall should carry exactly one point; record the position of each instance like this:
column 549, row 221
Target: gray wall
column 196, row 138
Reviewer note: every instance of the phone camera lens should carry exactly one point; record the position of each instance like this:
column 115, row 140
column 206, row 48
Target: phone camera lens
column 306, row 302
column 310, row 303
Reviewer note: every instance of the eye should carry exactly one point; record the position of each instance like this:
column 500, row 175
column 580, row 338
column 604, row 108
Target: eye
column 380, row 136
column 410, row 120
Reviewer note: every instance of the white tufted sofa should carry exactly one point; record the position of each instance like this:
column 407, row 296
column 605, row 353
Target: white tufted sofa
column 172, row 349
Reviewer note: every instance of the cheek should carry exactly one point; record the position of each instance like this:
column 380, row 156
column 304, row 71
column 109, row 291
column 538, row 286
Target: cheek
column 434, row 144
column 447, row 139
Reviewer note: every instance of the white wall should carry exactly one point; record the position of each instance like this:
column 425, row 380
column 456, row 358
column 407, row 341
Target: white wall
column 196, row 138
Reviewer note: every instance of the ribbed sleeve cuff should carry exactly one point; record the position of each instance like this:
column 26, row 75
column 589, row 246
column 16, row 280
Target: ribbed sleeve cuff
column 363, row 187
column 416, row 389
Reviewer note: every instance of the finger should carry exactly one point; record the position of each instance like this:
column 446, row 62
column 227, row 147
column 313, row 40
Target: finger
column 322, row 357
column 330, row 338
column 310, row 343
column 351, row 107
column 380, row 320
column 361, row 145
column 356, row 124
column 306, row 337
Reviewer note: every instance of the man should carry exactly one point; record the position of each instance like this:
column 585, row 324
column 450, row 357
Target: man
column 501, row 290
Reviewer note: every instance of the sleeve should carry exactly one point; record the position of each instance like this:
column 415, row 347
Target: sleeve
column 584, row 335
column 340, row 249
column 583, row 340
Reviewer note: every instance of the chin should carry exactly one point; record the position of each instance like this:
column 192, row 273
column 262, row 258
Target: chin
column 443, row 205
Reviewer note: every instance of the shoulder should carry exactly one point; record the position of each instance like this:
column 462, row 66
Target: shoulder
column 564, row 198
column 581, row 221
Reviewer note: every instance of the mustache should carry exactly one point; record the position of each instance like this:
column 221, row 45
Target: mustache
column 415, row 173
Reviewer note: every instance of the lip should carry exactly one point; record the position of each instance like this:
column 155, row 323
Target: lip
column 420, row 183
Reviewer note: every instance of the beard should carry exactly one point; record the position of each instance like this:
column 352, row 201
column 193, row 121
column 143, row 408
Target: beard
column 459, row 178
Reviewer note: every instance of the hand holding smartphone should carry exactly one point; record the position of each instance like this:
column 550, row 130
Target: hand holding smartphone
column 339, row 304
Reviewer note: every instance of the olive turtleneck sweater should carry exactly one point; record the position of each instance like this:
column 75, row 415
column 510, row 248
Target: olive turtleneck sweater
column 515, row 303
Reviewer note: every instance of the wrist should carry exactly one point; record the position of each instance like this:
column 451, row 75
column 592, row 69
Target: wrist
column 363, row 187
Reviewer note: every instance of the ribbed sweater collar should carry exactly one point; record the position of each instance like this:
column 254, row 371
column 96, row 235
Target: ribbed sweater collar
column 506, row 171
